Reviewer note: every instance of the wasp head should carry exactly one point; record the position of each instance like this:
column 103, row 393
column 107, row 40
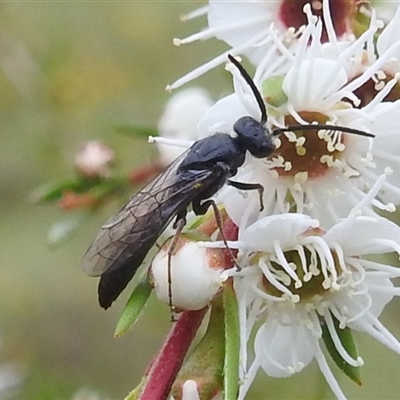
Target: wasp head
column 254, row 137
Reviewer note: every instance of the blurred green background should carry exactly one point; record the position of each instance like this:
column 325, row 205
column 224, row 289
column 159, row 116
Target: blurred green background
column 71, row 72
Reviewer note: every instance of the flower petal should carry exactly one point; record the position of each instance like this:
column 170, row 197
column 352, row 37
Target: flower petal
column 283, row 350
column 283, row 228
column 311, row 82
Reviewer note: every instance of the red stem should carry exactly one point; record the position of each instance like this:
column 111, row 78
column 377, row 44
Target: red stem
column 165, row 367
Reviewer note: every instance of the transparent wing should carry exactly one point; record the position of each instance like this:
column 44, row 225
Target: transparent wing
column 128, row 236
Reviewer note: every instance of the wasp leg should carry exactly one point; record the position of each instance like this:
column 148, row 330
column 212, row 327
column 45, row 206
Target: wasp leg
column 201, row 209
column 179, row 224
column 250, row 186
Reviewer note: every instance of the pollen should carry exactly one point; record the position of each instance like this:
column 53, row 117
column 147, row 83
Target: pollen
column 310, row 153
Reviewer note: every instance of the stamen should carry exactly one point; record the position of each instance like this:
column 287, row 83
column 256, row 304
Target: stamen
column 370, row 42
column 313, row 261
column 364, row 311
column 326, row 14
column 370, row 71
column 257, row 309
column 338, row 315
column 382, row 94
column 313, row 49
column 330, row 378
column 278, row 43
column 216, row 61
column 170, row 142
column 260, row 293
column 285, row 265
column 198, row 12
column 249, row 378
column 370, row 196
column 367, row 264
column 340, row 256
column 371, row 325
column 296, row 115
column 210, row 32
column 325, row 257
column 271, row 279
column 388, row 243
column 358, row 272
column 307, row 275
column 341, row 61
column 372, row 176
column 338, row 344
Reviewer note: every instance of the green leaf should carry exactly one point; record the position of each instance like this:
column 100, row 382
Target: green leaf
column 133, row 308
column 136, row 131
column 272, row 91
column 232, row 342
column 346, row 338
column 54, row 191
column 63, row 230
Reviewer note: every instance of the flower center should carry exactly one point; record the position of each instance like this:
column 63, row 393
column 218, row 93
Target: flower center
column 373, row 86
column 307, row 152
column 342, row 13
column 311, row 274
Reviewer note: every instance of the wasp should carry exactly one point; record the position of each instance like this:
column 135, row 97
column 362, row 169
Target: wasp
column 191, row 180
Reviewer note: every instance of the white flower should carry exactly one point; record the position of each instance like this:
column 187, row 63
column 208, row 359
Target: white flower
column 298, row 277
column 263, row 30
column 325, row 173
column 94, row 159
column 179, row 120
column 195, row 275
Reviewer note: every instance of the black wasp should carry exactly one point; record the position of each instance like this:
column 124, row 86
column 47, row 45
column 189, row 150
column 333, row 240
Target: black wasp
column 192, row 179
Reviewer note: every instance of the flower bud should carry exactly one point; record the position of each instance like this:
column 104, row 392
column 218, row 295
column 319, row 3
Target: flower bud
column 93, row 160
column 180, row 118
column 195, row 274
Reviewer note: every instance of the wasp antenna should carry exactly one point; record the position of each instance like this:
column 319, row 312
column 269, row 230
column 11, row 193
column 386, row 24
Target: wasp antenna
column 253, row 87
column 311, row 127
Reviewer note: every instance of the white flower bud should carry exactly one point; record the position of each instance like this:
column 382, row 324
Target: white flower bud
column 180, row 118
column 195, row 275
column 94, row 160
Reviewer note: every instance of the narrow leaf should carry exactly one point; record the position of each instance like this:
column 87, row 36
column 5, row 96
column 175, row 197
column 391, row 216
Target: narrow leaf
column 346, row 338
column 232, row 342
column 133, row 308
column 54, row 191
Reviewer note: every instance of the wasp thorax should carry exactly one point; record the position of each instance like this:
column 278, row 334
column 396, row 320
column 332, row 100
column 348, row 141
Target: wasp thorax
column 311, row 153
column 194, row 276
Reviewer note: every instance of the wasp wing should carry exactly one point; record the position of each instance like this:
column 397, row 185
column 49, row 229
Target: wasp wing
column 124, row 241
